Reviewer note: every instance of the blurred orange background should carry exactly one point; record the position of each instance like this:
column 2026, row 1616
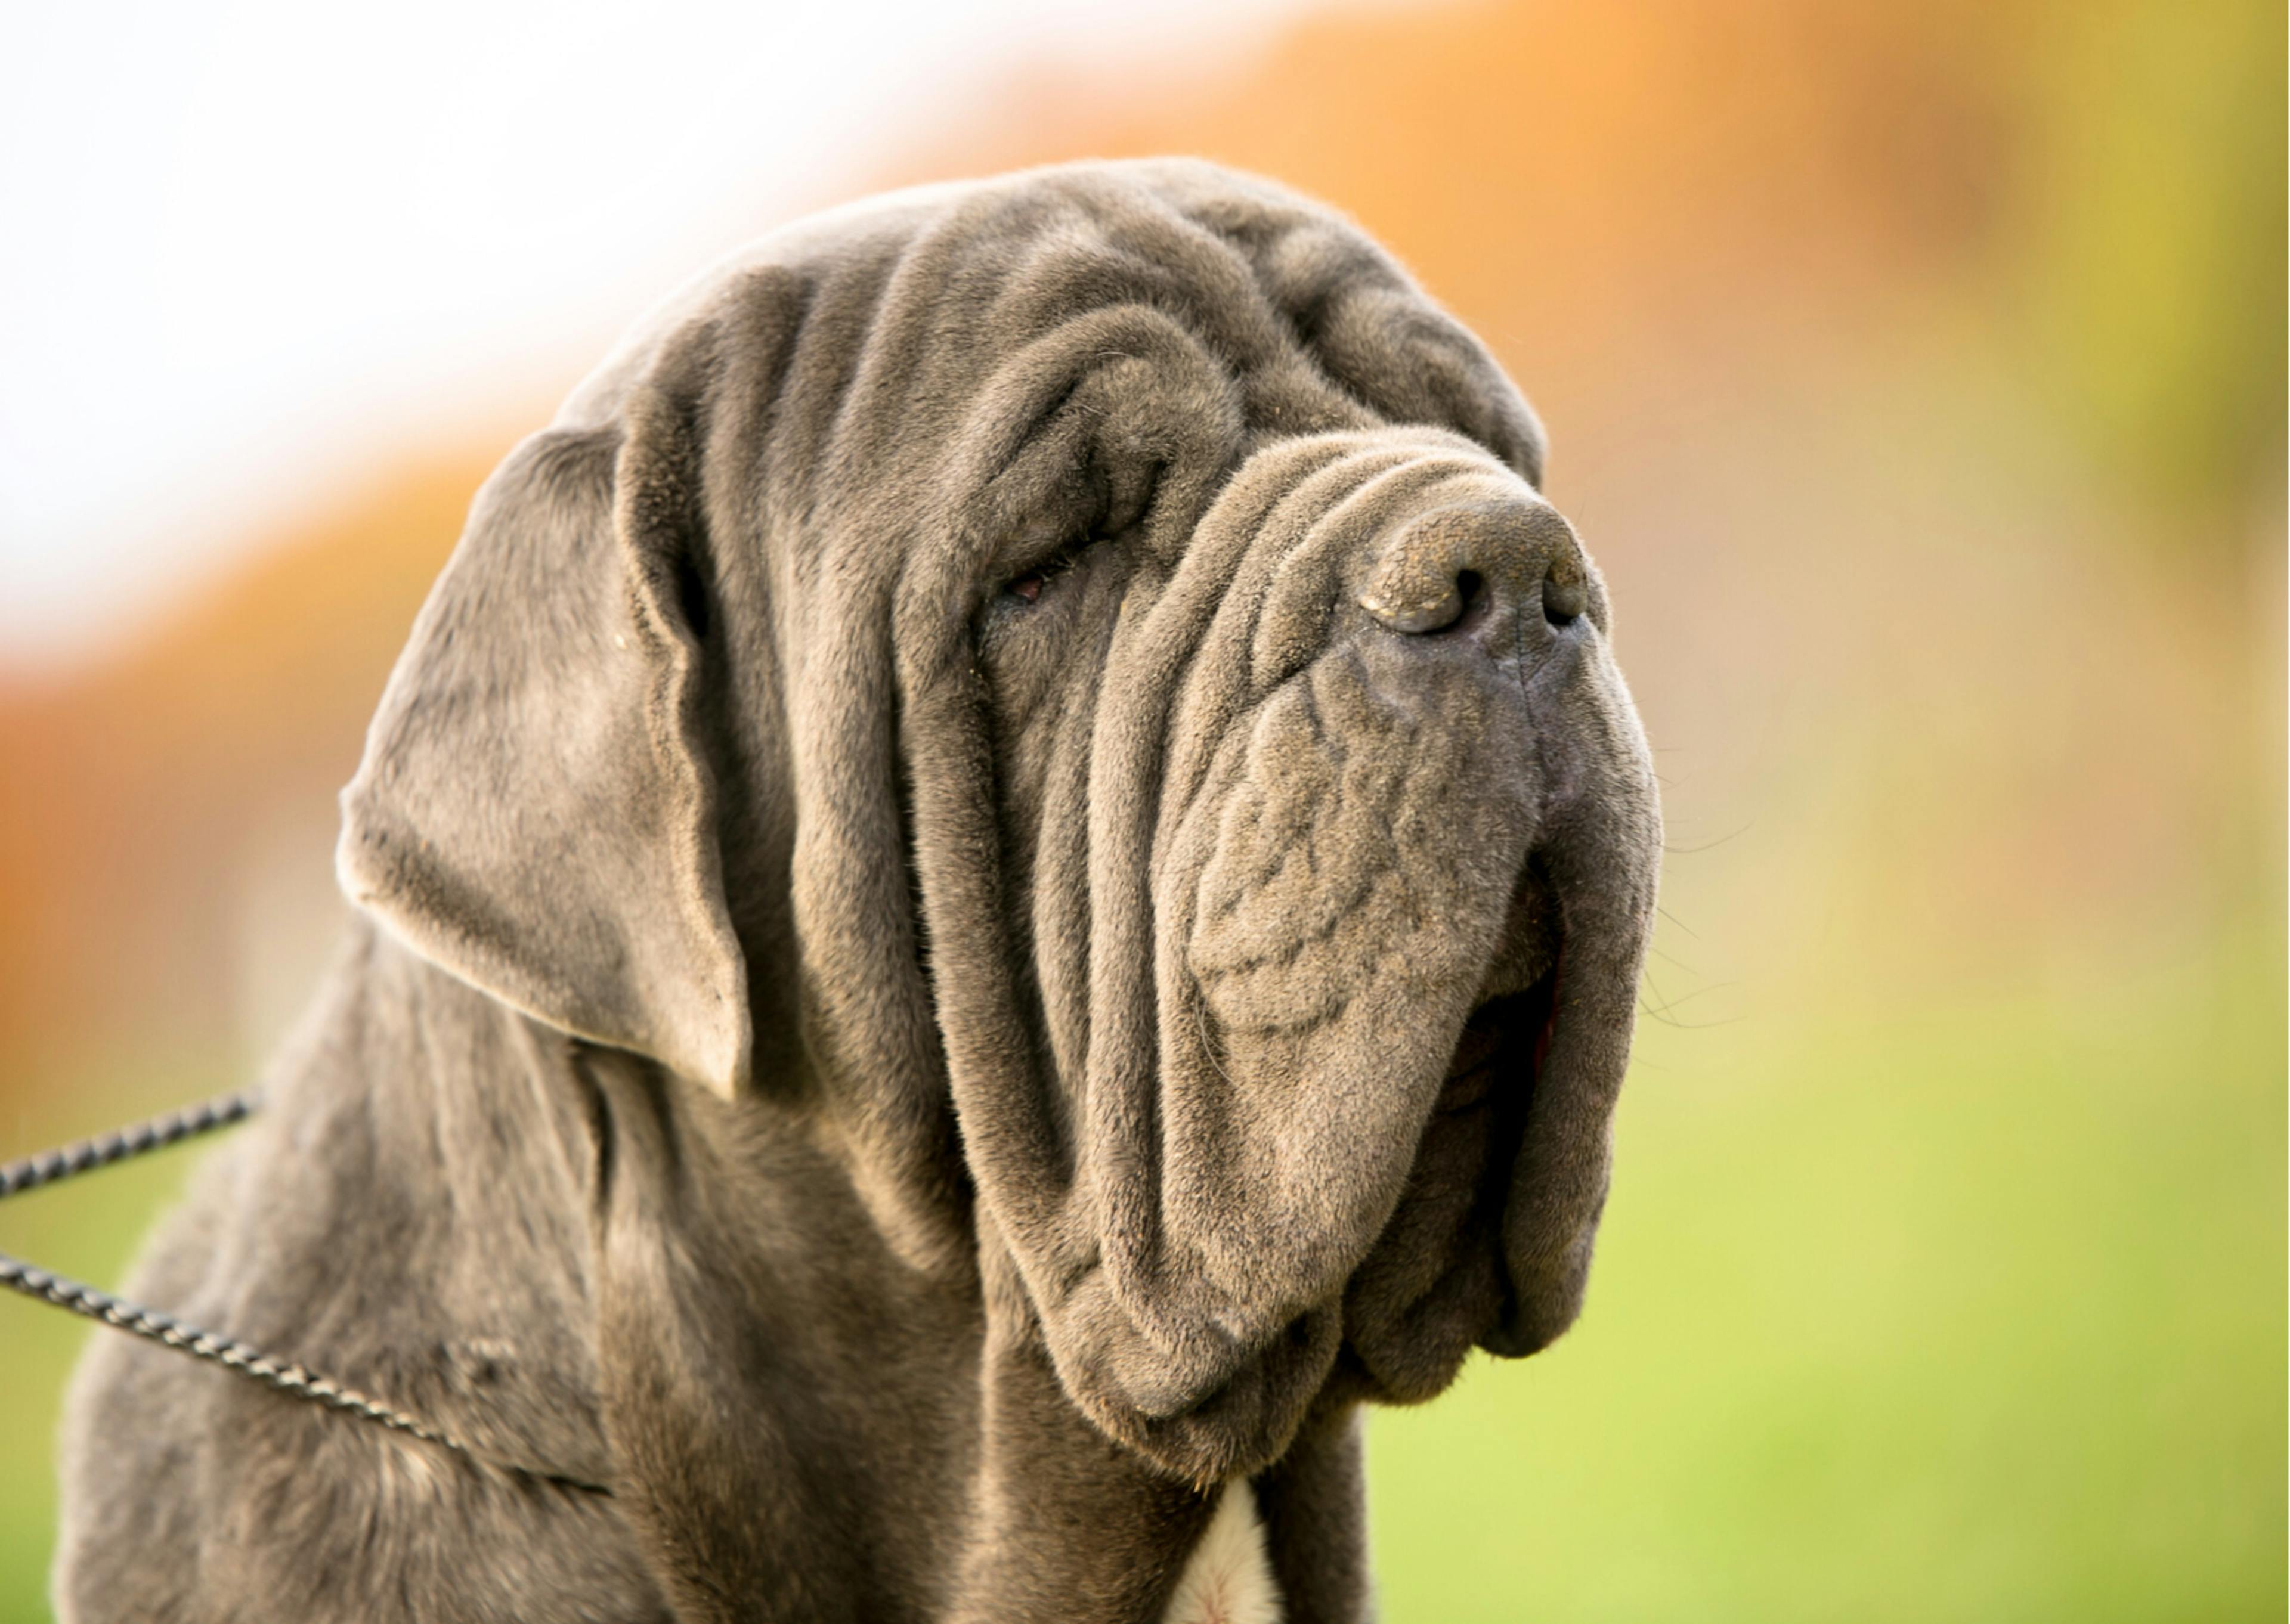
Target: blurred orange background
column 1916, row 373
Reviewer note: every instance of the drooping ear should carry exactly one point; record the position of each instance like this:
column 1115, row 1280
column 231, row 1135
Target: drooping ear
column 535, row 812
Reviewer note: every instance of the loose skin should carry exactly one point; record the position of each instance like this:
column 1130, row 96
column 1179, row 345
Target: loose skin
column 1007, row 875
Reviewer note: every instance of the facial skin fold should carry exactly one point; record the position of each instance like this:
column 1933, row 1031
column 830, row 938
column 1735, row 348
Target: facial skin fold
column 1007, row 874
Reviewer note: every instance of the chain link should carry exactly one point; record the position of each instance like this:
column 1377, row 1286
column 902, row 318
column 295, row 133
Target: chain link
column 50, row 1167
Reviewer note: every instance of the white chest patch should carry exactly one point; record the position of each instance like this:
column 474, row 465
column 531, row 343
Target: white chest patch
column 1228, row 1580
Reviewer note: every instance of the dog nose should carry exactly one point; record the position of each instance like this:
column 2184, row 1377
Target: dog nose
column 1475, row 567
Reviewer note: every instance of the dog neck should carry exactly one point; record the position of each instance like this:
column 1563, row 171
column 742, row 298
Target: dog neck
column 784, row 1408
column 1227, row 1580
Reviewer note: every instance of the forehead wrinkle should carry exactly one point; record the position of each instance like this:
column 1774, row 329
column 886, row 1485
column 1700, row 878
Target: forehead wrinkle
column 1009, row 264
column 1230, row 301
column 1160, row 361
column 902, row 312
column 1121, row 237
column 916, row 306
column 902, row 359
column 830, row 347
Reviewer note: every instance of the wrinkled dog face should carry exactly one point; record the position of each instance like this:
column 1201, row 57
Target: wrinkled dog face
column 1097, row 668
column 1324, row 833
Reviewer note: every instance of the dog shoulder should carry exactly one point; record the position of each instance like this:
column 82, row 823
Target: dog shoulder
column 322, row 1235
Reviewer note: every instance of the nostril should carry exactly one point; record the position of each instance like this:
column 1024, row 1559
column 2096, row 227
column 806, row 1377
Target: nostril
column 1563, row 602
column 1470, row 589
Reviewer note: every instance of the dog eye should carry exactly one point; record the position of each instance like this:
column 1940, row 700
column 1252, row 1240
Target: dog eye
column 1112, row 520
column 1027, row 587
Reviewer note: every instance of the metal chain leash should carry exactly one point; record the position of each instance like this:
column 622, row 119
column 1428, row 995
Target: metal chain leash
column 50, row 1167
column 117, row 1145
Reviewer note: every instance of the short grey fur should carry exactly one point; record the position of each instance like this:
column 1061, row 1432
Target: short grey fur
column 1008, row 873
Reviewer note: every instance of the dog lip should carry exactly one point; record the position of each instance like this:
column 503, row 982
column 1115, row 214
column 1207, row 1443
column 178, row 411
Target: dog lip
column 1475, row 1073
column 1472, row 1075
column 1528, row 1048
column 1478, row 1124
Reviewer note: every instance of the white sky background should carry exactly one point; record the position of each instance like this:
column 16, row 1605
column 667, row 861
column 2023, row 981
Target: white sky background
column 249, row 249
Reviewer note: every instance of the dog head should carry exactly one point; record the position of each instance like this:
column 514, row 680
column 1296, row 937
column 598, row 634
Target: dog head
column 1069, row 685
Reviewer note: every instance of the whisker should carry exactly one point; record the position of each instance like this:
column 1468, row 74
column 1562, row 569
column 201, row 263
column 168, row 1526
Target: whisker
column 1699, row 992
column 1708, row 846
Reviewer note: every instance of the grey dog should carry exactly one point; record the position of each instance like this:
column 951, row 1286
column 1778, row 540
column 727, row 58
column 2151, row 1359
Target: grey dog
column 1008, row 873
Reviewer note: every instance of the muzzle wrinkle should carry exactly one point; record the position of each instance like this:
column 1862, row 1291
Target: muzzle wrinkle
column 1305, row 607
column 1306, row 844
column 1109, row 1026
column 1258, row 860
column 1339, row 788
column 1314, row 832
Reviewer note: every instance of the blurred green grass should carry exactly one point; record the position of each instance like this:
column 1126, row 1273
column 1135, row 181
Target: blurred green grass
column 1971, row 1312
column 88, row 1228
